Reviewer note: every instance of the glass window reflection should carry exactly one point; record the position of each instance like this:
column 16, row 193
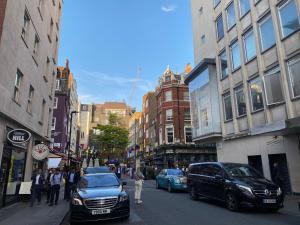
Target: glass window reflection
column 249, row 44
column 256, row 94
column 230, row 16
column 267, row 35
column 289, row 18
column 235, row 56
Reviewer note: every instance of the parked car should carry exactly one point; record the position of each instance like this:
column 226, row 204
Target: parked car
column 100, row 169
column 99, row 197
column 235, row 184
column 171, row 179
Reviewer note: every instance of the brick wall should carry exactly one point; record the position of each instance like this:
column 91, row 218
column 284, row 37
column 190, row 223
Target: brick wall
column 2, row 14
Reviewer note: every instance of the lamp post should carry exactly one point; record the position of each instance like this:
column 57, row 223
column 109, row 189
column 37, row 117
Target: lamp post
column 69, row 150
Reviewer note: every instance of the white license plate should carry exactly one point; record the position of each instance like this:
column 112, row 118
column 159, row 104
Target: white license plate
column 100, row 211
column 269, row 201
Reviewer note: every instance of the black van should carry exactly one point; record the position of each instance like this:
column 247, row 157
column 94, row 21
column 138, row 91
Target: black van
column 235, row 184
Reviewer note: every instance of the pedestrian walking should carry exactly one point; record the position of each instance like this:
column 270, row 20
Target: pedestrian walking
column 48, row 184
column 36, row 187
column 55, row 186
column 72, row 180
column 139, row 180
column 277, row 176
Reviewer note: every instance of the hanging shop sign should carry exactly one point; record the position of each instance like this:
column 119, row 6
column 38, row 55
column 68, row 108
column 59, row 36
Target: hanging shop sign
column 18, row 136
column 40, row 152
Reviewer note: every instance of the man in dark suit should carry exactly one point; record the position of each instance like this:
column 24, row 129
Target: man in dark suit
column 72, row 180
column 36, row 187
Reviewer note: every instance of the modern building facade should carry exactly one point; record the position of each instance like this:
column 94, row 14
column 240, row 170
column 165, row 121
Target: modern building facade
column 256, row 47
column 29, row 40
column 85, row 125
column 175, row 144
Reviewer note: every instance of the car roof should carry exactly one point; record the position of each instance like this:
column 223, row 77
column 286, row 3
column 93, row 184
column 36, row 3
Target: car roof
column 99, row 174
column 217, row 163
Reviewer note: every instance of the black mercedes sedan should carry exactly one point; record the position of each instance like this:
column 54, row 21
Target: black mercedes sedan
column 99, row 197
column 238, row 185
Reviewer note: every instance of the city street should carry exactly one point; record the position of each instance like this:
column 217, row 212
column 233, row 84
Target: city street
column 162, row 208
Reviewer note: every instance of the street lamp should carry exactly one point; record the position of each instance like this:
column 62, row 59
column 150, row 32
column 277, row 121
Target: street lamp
column 69, row 150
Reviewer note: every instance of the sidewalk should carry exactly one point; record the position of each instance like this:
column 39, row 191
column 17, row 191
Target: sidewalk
column 21, row 213
column 291, row 205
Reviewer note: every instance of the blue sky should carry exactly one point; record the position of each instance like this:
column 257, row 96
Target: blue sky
column 108, row 41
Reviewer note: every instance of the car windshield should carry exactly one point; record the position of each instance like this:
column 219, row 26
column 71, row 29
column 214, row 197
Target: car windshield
column 175, row 172
column 238, row 170
column 103, row 180
column 103, row 169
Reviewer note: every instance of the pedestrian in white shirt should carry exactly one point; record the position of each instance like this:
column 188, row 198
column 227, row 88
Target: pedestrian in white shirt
column 55, row 180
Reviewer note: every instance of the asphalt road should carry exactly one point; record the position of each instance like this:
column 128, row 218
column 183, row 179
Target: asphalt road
column 162, row 208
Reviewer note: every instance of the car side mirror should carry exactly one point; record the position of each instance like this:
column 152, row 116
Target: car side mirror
column 124, row 183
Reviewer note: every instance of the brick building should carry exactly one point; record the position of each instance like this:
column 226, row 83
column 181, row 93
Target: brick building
column 173, row 125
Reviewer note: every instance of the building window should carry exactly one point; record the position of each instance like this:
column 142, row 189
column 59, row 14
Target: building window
column 43, row 111
column 55, row 102
column 293, row 69
column 147, row 133
column 147, row 118
column 188, row 135
column 244, row 7
column 249, row 45
column 186, row 96
column 223, row 64
column 53, row 124
column 204, row 118
column 18, row 81
column 169, row 114
column 240, row 101
column 160, row 118
column 57, row 85
column 216, row 2
column 273, row 87
column 201, row 10
column 230, row 15
column 50, row 30
column 168, row 96
column 235, row 56
column 227, row 107
column 289, row 19
column 170, row 134
column 267, row 35
column 220, row 27
column 187, row 115
column 168, row 78
column 30, row 98
column 26, row 24
column 256, row 90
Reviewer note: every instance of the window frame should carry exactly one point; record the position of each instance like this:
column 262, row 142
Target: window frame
column 55, row 102
column 251, row 101
column 30, row 99
column 237, row 90
column 217, row 30
column 17, row 86
column 244, row 36
column 262, row 21
column 227, row 20
column 291, row 80
column 169, row 118
column 280, row 18
column 235, row 43
column 240, row 11
column 272, row 72
column 171, row 96
column 53, row 119
column 227, row 95
column 189, row 127
column 166, row 134
column 220, row 63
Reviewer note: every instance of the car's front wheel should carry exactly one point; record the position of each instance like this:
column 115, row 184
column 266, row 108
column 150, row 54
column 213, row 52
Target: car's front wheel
column 232, row 202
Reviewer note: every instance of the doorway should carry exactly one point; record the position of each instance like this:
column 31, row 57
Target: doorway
column 256, row 162
column 280, row 159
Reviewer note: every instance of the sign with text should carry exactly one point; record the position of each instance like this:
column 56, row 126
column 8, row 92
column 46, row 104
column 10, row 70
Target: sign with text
column 40, row 151
column 18, row 136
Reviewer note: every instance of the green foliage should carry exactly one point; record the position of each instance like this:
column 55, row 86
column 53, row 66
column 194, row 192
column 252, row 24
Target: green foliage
column 112, row 138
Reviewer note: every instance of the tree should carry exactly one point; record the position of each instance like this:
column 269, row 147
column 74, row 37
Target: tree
column 112, row 139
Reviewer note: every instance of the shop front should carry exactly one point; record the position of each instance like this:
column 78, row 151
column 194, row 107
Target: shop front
column 12, row 170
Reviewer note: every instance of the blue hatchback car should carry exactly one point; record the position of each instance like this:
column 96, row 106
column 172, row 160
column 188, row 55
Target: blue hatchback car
column 171, row 179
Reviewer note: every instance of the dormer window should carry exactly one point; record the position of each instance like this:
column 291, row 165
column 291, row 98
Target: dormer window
column 168, row 78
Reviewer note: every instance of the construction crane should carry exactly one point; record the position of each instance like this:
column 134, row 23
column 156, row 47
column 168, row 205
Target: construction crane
column 133, row 89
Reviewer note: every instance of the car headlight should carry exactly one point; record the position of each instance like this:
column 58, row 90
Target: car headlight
column 123, row 198
column 245, row 189
column 279, row 191
column 76, row 201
